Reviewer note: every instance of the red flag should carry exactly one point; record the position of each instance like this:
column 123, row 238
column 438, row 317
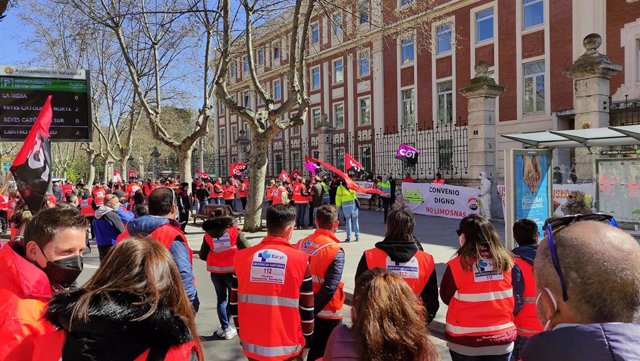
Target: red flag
column 350, row 162
column 237, row 169
column 32, row 166
column 351, row 184
column 202, row 174
column 283, row 176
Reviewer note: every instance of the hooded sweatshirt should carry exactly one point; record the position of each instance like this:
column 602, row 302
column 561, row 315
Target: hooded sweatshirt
column 107, row 225
column 403, row 252
column 112, row 322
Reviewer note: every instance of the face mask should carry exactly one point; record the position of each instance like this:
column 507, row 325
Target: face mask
column 63, row 271
column 555, row 306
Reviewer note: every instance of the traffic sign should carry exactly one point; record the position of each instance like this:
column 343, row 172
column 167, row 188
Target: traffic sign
column 23, row 91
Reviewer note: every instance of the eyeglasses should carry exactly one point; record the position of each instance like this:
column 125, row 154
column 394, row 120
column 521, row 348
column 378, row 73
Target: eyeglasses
column 552, row 225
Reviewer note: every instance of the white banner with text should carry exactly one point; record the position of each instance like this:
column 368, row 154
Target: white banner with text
column 441, row 200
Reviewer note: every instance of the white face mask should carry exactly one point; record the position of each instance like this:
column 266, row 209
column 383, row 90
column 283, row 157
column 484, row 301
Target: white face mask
column 555, row 306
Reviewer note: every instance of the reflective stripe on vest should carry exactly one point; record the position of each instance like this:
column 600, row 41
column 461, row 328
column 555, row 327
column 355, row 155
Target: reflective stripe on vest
column 273, row 351
column 466, row 330
column 530, row 300
column 329, row 314
column 216, row 269
column 526, row 321
column 269, row 300
column 481, row 297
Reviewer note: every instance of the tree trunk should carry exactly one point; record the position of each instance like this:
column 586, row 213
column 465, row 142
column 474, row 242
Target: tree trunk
column 201, row 155
column 257, row 174
column 106, row 171
column 92, row 168
column 184, row 160
column 123, row 167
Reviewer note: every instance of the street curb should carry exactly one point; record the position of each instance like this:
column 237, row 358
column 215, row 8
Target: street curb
column 436, row 328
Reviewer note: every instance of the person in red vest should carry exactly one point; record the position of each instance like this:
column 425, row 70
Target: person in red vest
column 243, row 191
column 88, row 209
column 327, row 264
column 269, row 192
column 401, row 253
column 98, row 194
column 5, row 208
column 230, row 194
column 133, row 308
column 67, row 188
column 216, row 191
column 47, row 261
column 272, row 293
column 477, row 287
column 161, row 224
column 280, row 194
column 408, row 179
column 525, row 233
column 131, row 190
column 438, row 179
column 222, row 240
column 148, row 187
column 300, row 199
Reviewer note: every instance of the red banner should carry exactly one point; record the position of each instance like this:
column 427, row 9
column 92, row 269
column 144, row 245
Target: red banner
column 283, row 176
column 350, row 162
column 351, row 184
column 202, row 174
column 237, row 169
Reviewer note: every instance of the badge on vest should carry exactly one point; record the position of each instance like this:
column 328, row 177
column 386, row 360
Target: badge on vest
column 407, row 270
column 485, row 270
column 268, row 266
column 222, row 244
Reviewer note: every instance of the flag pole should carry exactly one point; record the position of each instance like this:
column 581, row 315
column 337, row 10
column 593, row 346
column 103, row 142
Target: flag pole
column 5, row 183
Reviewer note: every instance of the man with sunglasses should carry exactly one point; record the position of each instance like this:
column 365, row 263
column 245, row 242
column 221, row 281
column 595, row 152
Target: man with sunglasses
column 587, row 275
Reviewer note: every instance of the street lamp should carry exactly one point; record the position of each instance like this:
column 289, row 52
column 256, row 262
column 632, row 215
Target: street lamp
column 244, row 142
column 155, row 154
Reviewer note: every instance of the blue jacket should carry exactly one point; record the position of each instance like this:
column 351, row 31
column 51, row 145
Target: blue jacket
column 579, row 342
column 124, row 214
column 144, row 226
column 106, row 226
column 527, row 253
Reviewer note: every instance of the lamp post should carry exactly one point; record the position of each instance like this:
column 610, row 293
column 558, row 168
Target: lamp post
column 155, row 155
column 244, row 142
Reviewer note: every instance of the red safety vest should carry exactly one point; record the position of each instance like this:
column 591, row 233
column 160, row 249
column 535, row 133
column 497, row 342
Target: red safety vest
column 216, row 191
column 164, row 234
column 222, row 251
column 483, row 303
column 298, row 198
column 98, row 196
column 49, row 348
column 86, row 209
column 269, row 278
column 527, row 322
column 270, row 193
column 229, row 193
column 280, row 196
column 323, row 246
column 415, row 272
column 4, row 202
column 243, row 191
column 132, row 189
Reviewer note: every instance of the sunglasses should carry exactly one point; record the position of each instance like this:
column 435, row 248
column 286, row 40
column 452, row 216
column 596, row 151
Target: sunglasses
column 554, row 225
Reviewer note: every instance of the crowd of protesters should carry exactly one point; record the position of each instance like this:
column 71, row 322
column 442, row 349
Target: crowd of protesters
column 284, row 298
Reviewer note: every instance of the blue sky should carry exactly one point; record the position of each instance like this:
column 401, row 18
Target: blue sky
column 13, row 33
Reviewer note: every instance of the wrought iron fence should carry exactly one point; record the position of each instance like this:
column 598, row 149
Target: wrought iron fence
column 626, row 112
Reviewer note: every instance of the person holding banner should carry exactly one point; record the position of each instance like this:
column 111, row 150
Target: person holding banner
column 347, row 202
column 477, row 288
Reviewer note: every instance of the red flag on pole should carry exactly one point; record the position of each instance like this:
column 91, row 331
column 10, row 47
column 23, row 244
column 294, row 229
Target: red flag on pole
column 237, row 169
column 283, row 176
column 350, row 162
column 351, row 184
column 32, row 166
column 202, row 174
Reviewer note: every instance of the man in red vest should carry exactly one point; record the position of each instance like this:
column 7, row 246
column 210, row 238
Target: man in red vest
column 272, row 293
column 525, row 233
column 243, row 192
column 161, row 225
column 300, row 199
column 327, row 263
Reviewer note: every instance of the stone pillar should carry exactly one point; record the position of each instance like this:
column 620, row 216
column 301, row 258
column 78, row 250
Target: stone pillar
column 481, row 95
column 591, row 73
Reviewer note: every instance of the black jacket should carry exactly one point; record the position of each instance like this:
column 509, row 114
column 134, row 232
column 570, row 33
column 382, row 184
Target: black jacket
column 110, row 333
column 403, row 252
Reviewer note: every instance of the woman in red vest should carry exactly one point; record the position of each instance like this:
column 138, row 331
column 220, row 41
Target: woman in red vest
column 133, row 308
column 478, row 289
column 222, row 239
column 230, row 194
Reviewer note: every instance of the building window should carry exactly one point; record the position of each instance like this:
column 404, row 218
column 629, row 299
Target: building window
column 223, row 137
column 260, row 56
column 363, row 12
column 338, row 115
column 245, row 64
column 246, row 99
column 316, row 154
column 533, row 87
column 221, row 107
column 365, row 111
column 406, row 2
column 363, row 63
column 315, row 77
column 315, row 33
column 276, row 51
column 445, row 102
column 297, row 159
column 408, row 118
column 234, row 133
column 406, row 45
column 295, row 130
column 259, row 100
column 533, row 13
column 278, row 164
column 316, row 118
column 338, row 71
column 277, row 90
column 339, row 157
column 337, row 24
column 365, row 157
column 232, row 70
column 484, row 25
column 445, row 154
column 443, row 42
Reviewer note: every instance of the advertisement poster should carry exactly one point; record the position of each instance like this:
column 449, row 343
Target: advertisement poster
column 441, row 200
column 560, row 194
column 619, row 188
column 531, row 187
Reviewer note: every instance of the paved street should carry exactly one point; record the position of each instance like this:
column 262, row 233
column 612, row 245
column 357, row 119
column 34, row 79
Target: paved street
column 436, row 234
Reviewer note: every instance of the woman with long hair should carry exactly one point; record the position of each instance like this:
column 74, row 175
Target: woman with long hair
column 477, row 287
column 401, row 334
column 133, row 308
column 401, row 253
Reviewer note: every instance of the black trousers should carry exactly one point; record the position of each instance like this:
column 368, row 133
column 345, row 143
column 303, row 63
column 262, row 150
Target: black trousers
column 103, row 251
column 243, row 200
column 322, row 331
